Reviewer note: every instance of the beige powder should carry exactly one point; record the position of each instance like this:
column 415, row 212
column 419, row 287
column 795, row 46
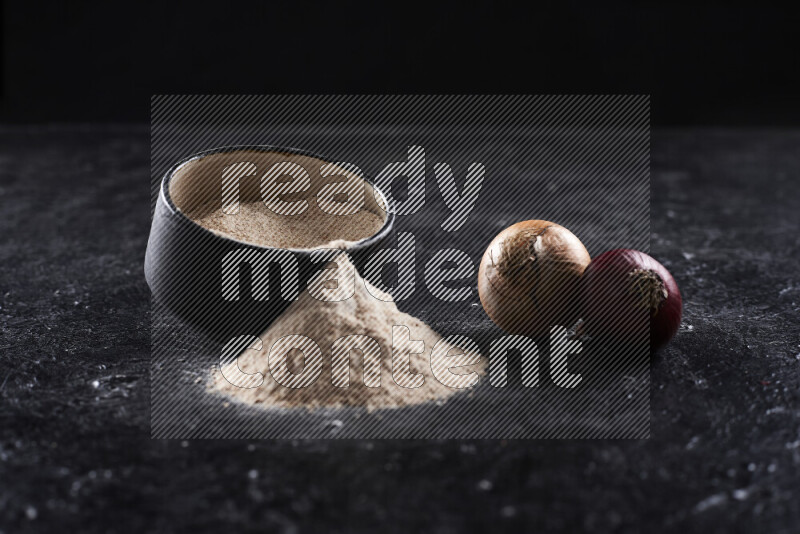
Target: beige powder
column 256, row 224
column 248, row 179
column 325, row 322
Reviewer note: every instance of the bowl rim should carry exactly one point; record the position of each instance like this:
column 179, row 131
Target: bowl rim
column 386, row 228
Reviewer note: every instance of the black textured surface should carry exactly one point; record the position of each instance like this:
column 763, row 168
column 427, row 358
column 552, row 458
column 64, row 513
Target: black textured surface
column 75, row 451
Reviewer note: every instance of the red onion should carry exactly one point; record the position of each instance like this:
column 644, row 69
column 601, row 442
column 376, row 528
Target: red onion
column 624, row 290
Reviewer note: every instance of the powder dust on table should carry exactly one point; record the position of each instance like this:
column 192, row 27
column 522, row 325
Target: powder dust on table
column 325, row 322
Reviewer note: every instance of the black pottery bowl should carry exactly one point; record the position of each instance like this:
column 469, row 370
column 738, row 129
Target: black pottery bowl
column 184, row 261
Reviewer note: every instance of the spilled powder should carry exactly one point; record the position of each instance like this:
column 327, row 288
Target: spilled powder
column 325, row 322
column 256, row 224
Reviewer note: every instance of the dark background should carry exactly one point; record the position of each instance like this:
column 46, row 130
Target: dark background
column 98, row 61
column 75, row 447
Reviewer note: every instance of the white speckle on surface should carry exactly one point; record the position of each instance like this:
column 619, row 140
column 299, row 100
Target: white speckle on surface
column 252, row 474
column 31, row 512
column 688, row 255
column 741, row 494
column 771, row 468
column 485, row 485
column 508, row 511
column 710, row 502
column 785, row 290
column 95, row 384
column 701, row 383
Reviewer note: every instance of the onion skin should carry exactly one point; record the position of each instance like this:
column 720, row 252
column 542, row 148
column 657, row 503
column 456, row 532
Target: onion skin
column 529, row 278
column 624, row 292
